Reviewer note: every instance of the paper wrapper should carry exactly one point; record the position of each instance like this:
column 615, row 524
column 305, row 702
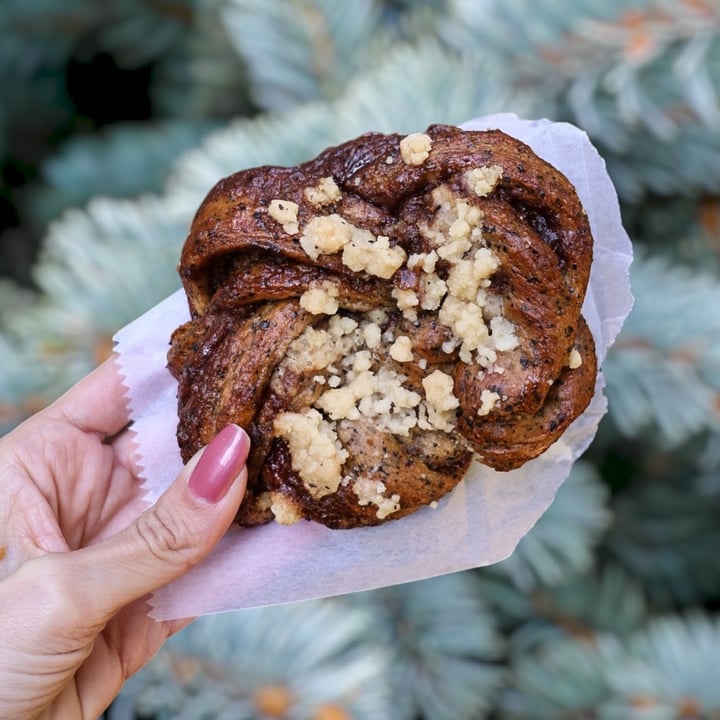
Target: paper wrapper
column 478, row 524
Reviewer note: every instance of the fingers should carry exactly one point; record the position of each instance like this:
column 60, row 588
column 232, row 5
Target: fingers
column 177, row 532
column 97, row 403
column 164, row 542
column 74, row 623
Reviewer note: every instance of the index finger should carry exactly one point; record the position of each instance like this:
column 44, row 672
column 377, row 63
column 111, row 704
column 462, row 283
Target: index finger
column 98, row 403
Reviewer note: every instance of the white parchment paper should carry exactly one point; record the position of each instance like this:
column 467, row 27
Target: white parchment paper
column 479, row 523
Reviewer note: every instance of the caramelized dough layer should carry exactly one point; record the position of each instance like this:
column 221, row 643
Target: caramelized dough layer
column 247, row 272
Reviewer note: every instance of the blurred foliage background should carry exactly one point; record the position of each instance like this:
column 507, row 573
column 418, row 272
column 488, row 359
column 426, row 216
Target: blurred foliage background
column 116, row 117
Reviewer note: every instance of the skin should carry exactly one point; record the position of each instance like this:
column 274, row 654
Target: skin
column 79, row 554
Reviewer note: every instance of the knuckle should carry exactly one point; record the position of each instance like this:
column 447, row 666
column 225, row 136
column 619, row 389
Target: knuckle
column 57, row 583
column 167, row 538
column 58, row 597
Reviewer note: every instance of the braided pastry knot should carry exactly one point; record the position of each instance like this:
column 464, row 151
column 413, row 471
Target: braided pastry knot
column 379, row 315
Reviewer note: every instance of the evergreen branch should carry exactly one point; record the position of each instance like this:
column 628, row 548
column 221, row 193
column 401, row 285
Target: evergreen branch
column 202, row 75
column 667, row 669
column 134, row 32
column 443, row 644
column 664, row 370
column 653, row 105
column 302, row 50
column 640, row 77
column 272, row 139
column 570, row 38
column 39, row 368
column 18, row 398
column 138, row 32
column 670, row 670
column 709, row 464
column 684, row 231
column 38, row 360
column 99, row 269
column 561, row 542
column 30, row 63
column 560, row 680
column 606, row 600
column 111, row 262
column 426, row 84
column 61, row 20
column 665, row 533
column 413, row 21
column 124, row 160
column 415, row 86
column 13, row 297
column 500, row 27
column 279, row 662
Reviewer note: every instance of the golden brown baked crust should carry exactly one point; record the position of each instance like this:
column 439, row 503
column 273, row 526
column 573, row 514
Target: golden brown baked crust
column 456, row 203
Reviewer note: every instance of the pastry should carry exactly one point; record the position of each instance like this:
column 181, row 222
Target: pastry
column 380, row 315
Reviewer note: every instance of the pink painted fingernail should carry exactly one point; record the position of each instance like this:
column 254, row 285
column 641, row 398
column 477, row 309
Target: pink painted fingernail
column 220, row 464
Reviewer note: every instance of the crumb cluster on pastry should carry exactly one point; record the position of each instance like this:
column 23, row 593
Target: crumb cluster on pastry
column 380, row 315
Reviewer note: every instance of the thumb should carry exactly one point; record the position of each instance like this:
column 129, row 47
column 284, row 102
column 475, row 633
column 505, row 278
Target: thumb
column 171, row 536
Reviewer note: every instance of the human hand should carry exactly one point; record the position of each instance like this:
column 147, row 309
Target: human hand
column 76, row 561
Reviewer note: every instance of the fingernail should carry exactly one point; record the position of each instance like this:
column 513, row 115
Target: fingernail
column 220, row 464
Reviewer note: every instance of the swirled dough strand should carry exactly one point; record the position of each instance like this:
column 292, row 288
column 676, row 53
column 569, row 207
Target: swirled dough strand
column 380, row 315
